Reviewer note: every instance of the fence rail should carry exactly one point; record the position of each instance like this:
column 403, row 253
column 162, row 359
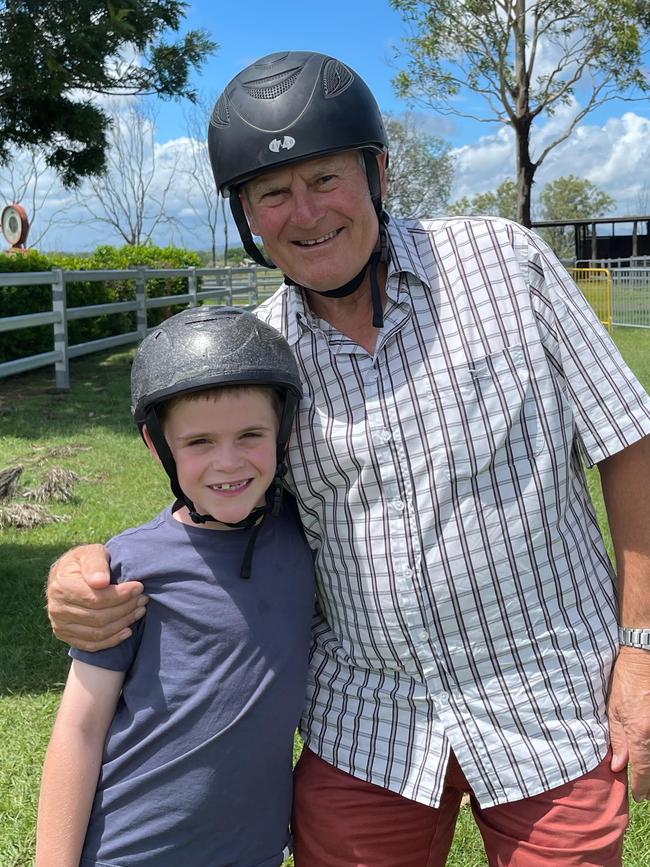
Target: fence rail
column 629, row 300
column 240, row 286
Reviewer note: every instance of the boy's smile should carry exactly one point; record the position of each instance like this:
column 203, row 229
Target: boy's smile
column 224, row 445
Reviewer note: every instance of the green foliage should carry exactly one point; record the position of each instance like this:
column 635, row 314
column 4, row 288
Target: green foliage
column 570, row 198
column 21, row 300
column 500, row 203
column 420, row 169
column 522, row 62
column 51, row 51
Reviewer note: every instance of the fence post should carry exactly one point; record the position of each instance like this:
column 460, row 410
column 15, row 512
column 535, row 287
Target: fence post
column 62, row 366
column 192, row 287
column 141, row 301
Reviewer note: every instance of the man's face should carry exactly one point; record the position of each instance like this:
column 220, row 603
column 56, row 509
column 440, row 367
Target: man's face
column 316, row 218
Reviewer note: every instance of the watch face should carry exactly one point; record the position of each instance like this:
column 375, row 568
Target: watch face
column 14, row 224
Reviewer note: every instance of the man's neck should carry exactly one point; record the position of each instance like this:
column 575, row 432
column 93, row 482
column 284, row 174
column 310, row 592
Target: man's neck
column 352, row 315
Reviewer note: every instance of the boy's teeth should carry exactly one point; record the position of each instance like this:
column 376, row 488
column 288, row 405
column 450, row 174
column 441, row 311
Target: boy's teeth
column 230, row 486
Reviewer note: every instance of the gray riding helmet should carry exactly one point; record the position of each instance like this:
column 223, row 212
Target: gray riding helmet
column 286, row 107
column 204, row 347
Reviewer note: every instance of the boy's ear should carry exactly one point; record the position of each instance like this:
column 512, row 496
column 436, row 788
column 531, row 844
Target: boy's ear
column 149, row 443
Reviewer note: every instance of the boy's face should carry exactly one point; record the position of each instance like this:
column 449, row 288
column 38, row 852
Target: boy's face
column 224, row 446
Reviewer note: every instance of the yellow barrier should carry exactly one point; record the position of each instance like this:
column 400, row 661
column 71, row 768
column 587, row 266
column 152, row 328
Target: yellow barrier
column 596, row 285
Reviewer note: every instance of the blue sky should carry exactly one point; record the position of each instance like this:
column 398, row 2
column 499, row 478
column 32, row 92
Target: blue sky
column 362, row 33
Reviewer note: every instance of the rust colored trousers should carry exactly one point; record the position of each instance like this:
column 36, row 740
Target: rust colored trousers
column 341, row 821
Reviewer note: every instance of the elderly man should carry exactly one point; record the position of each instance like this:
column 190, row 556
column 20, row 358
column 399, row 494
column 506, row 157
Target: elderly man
column 467, row 633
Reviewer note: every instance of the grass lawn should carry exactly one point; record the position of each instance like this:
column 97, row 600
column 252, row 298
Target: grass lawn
column 89, row 431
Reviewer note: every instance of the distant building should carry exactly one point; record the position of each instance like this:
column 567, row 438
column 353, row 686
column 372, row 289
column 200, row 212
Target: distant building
column 606, row 237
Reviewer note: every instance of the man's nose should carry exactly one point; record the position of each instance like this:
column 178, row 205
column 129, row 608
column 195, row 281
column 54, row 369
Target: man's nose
column 306, row 208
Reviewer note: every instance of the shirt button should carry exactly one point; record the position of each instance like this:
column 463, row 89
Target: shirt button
column 443, row 698
column 407, row 572
column 398, row 505
column 422, row 635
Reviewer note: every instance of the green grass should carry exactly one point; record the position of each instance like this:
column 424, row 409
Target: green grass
column 121, row 486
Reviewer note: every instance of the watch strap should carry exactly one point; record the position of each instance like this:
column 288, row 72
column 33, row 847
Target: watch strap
column 634, row 637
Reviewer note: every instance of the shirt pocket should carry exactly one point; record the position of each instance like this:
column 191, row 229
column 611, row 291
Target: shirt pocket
column 488, row 414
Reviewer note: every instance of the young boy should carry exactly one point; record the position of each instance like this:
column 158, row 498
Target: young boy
column 175, row 747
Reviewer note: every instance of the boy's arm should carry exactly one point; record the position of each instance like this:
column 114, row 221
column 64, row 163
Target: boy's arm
column 72, row 763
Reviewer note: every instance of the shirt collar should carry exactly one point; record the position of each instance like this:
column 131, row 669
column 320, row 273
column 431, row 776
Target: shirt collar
column 404, row 257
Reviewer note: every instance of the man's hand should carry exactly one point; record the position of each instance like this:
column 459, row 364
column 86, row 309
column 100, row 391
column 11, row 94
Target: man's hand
column 629, row 718
column 84, row 608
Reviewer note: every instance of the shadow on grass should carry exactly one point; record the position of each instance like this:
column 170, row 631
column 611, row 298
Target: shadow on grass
column 31, row 407
column 31, row 659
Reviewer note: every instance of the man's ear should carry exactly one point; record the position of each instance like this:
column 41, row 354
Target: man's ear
column 246, row 205
column 149, row 443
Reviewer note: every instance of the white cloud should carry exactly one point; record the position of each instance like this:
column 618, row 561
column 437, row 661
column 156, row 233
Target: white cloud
column 615, row 156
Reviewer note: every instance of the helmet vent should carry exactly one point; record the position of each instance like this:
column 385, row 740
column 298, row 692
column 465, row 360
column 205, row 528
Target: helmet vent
column 220, row 115
column 336, row 78
column 273, row 85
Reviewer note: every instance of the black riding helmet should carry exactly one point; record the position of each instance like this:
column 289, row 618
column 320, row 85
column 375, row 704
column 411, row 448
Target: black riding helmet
column 284, row 108
column 206, row 347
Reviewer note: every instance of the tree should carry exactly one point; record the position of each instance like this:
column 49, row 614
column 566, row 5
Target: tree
column 203, row 200
column 524, row 59
column 420, row 169
column 26, row 179
column 131, row 195
column 500, row 203
column 570, row 198
column 55, row 54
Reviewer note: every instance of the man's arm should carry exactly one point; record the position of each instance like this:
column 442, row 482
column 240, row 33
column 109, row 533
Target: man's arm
column 73, row 762
column 625, row 479
column 84, row 608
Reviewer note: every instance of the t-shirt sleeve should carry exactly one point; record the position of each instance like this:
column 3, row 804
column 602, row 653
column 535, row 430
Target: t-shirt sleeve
column 117, row 658
column 610, row 407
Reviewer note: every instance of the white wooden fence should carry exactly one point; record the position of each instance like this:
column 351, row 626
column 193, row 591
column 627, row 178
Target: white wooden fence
column 240, row 286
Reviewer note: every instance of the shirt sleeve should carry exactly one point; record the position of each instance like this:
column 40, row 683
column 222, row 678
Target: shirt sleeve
column 610, row 407
column 121, row 657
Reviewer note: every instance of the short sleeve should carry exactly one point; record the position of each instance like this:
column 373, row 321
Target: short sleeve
column 610, row 407
column 121, row 657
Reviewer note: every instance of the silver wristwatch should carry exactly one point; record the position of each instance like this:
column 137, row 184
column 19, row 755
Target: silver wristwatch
column 634, row 637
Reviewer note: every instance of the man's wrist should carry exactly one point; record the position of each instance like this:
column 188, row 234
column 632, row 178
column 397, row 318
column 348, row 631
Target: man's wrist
column 634, row 637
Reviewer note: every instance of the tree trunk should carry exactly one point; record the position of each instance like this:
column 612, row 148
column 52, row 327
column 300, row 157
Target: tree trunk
column 525, row 173
column 522, row 121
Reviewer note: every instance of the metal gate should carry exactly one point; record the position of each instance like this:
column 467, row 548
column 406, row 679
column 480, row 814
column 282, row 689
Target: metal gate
column 596, row 285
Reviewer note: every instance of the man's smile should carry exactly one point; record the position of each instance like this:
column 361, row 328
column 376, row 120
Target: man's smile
column 315, row 241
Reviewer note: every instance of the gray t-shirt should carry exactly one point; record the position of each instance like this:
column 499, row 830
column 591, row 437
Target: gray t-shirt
column 197, row 763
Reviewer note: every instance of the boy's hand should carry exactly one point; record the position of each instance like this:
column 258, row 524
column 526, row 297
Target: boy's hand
column 85, row 610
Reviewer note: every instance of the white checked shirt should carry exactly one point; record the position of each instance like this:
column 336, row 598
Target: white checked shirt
column 465, row 600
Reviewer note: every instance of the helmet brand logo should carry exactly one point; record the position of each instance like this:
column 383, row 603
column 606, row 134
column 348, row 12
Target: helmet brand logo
column 286, row 143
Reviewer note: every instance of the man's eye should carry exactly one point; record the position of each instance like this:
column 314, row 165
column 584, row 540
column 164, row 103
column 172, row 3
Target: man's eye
column 197, row 442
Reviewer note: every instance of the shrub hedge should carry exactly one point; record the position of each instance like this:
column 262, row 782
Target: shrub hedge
column 21, row 300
